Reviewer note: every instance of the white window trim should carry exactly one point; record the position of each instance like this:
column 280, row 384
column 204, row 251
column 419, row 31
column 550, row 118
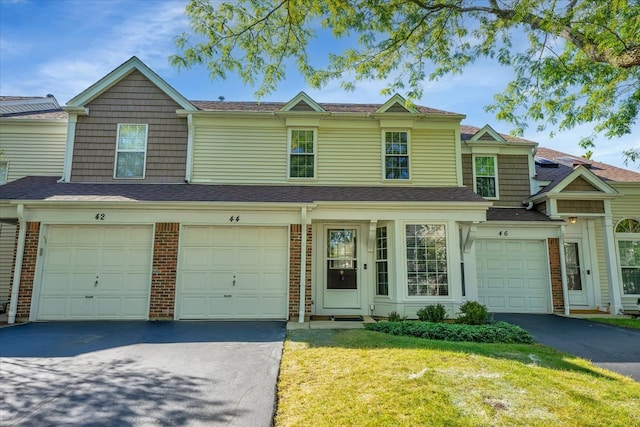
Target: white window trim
column 383, row 151
column 405, row 271
column 625, row 237
column 495, row 175
column 4, row 179
column 385, row 260
column 144, row 162
column 315, row 154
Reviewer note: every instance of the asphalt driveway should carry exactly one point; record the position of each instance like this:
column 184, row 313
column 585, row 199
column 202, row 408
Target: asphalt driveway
column 610, row 347
column 140, row 373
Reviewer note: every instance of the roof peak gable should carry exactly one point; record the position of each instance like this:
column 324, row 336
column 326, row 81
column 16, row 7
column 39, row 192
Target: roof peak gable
column 304, row 100
column 120, row 72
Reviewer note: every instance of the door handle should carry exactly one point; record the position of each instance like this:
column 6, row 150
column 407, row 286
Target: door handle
column 96, row 283
column 227, row 296
column 234, row 281
column 88, row 296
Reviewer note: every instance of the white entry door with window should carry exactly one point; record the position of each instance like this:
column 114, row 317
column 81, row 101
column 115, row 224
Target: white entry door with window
column 576, row 275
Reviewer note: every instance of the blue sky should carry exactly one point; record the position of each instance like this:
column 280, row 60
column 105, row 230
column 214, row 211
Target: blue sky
column 63, row 46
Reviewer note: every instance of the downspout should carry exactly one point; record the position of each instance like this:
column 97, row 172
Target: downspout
column 303, row 264
column 17, row 271
column 563, row 272
column 190, row 136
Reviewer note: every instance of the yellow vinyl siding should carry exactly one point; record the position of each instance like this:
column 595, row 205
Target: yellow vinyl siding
column 602, row 262
column 33, row 148
column 7, row 244
column 246, row 151
column 251, row 155
column 434, row 157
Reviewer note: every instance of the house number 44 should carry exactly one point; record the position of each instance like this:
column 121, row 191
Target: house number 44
column 100, row 217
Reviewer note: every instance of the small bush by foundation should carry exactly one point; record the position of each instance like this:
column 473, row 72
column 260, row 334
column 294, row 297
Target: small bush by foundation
column 499, row 332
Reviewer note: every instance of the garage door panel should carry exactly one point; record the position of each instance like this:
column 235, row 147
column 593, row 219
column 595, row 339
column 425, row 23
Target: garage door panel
column 82, row 282
column 513, row 276
column 254, row 257
column 117, row 257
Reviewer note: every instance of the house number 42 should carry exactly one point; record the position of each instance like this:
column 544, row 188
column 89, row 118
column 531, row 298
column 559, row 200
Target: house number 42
column 100, row 217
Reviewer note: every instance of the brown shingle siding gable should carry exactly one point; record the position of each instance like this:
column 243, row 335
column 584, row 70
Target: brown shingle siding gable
column 135, row 100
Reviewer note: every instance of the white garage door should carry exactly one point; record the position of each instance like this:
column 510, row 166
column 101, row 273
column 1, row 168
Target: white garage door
column 233, row 272
column 96, row 272
column 513, row 276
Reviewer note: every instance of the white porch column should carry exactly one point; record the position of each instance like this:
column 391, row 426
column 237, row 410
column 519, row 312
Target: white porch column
column 611, row 259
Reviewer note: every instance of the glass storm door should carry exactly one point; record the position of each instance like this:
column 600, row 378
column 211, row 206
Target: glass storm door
column 341, row 269
column 575, row 275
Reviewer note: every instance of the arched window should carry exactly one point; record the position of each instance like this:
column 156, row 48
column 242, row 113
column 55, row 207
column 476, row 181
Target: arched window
column 628, row 238
column 628, row 225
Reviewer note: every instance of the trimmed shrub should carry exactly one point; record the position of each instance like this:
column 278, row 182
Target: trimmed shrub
column 473, row 313
column 433, row 313
column 394, row 316
column 499, row 332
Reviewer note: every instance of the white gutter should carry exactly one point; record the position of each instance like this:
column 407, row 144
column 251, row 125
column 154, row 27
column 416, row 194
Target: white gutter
column 303, row 264
column 22, row 233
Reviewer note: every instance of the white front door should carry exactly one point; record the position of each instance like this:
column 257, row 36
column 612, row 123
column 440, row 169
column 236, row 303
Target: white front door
column 341, row 287
column 575, row 275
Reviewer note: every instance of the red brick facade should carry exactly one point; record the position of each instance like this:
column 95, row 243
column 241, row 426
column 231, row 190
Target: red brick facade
column 163, row 276
column 28, row 271
column 295, row 251
column 556, row 275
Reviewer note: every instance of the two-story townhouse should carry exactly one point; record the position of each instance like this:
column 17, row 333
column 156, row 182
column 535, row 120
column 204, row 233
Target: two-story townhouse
column 177, row 209
column 33, row 133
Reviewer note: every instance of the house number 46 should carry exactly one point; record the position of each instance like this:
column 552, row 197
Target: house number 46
column 100, row 217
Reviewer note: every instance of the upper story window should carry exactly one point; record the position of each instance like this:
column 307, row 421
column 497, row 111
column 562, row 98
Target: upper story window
column 628, row 238
column 485, row 175
column 396, row 155
column 4, row 170
column 131, row 151
column 302, row 153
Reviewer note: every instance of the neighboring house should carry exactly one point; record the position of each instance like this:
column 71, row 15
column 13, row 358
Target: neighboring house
column 32, row 139
column 177, row 209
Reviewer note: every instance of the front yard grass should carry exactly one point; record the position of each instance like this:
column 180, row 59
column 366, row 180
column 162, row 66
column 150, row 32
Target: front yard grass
column 363, row 378
column 624, row 323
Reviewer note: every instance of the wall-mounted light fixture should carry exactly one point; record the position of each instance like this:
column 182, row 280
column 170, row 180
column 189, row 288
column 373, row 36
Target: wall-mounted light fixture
column 573, row 219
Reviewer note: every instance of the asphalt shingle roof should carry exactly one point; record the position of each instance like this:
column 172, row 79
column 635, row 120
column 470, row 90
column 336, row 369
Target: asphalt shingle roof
column 516, row 214
column 47, row 188
column 269, row 107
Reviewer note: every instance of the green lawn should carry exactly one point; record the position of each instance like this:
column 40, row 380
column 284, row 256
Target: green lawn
column 362, row 378
column 624, row 323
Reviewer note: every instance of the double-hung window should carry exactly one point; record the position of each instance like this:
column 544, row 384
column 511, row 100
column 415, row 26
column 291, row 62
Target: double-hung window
column 131, row 151
column 302, row 153
column 427, row 268
column 628, row 238
column 485, row 173
column 396, row 155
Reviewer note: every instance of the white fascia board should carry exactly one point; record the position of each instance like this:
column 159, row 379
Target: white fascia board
column 136, row 204
column 518, row 230
column 118, row 74
column 589, row 176
column 8, row 211
column 583, row 196
column 301, row 96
